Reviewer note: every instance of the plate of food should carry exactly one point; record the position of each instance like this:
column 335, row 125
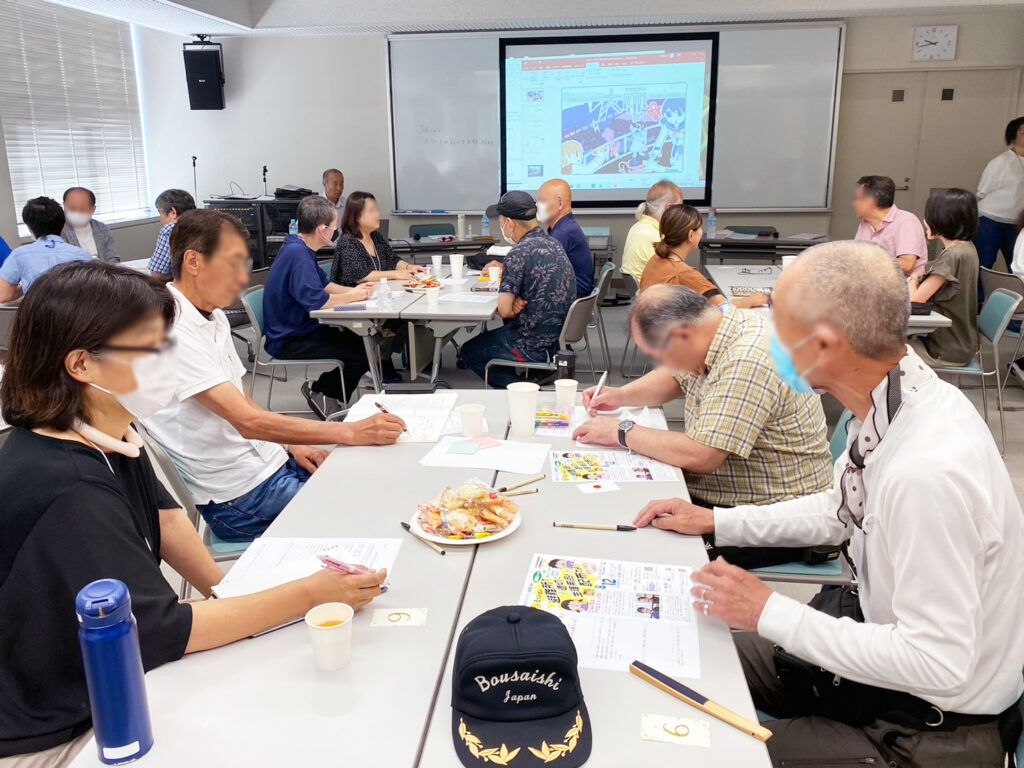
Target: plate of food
column 421, row 285
column 468, row 514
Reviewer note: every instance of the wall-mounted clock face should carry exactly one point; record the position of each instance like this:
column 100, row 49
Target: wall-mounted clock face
column 934, row 43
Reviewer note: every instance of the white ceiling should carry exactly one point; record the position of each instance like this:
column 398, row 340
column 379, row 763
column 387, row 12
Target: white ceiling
column 357, row 17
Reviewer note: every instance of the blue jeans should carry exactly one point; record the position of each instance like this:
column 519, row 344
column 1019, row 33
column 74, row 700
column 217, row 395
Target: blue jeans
column 497, row 345
column 248, row 516
column 993, row 237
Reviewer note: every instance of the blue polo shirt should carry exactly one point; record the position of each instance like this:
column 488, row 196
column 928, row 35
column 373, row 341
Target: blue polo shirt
column 295, row 287
column 567, row 232
column 24, row 265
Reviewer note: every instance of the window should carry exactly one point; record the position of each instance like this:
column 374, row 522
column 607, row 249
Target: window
column 69, row 107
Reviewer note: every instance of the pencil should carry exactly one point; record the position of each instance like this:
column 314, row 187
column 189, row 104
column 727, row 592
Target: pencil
column 596, row 526
column 523, row 492
column 701, row 702
column 429, row 543
column 521, row 483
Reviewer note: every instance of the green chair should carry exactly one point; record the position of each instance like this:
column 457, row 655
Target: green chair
column 252, row 300
column 996, row 314
column 429, row 230
column 326, row 269
column 837, row 443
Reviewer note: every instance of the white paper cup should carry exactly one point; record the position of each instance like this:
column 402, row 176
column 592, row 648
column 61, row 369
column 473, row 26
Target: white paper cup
column 433, row 296
column 332, row 645
column 522, row 407
column 565, row 394
column 457, row 260
column 788, row 260
column 494, row 273
column 472, row 415
column 437, row 261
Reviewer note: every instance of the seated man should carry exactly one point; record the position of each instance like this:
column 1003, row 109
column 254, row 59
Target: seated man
column 933, row 634
column 82, row 228
column 749, row 438
column 295, row 287
column 537, row 288
column 334, row 185
column 881, row 222
column 639, row 246
column 170, row 204
column 232, row 454
column 23, row 266
column 554, row 212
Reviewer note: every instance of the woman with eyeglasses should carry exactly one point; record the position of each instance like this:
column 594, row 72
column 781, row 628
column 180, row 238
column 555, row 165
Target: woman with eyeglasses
column 89, row 353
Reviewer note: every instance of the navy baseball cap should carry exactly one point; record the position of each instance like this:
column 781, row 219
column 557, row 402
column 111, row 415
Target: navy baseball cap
column 514, row 205
column 516, row 697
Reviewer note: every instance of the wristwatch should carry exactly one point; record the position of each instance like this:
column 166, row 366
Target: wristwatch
column 624, row 427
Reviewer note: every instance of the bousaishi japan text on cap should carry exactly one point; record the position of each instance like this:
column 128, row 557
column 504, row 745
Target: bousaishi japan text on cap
column 514, row 205
column 516, row 697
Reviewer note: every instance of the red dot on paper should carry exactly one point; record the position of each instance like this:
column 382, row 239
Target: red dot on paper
column 596, row 486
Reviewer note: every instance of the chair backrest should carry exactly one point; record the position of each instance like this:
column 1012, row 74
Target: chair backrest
column 576, row 319
column 326, row 267
column 159, row 457
column 604, row 279
column 992, row 279
column 997, row 313
column 252, row 300
column 632, row 286
column 837, row 445
column 7, row 313
column 425, row 230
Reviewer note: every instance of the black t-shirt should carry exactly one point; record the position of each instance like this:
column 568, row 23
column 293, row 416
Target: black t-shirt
column 66, row 520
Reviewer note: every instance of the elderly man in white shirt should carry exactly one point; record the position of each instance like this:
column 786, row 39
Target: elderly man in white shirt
column 922, row 666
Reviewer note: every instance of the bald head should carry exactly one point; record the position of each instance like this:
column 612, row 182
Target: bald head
column 554, row 199
column 857, row 288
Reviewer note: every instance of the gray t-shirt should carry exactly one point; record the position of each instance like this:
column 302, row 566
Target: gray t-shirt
column 957, row 300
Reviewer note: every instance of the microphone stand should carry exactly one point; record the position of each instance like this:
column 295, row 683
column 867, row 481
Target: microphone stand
column 265, row 181
column 195, row 185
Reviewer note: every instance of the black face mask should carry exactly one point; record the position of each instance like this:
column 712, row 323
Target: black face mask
column 334, row 236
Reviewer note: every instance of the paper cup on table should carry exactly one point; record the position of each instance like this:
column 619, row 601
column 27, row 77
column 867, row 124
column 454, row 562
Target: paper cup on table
column 565, row 395
column 437, row 261
column 433, row 296
column 788, row 260
column 330, row 629
column 472, row 416
column 457, row 259
column 494, row 273
column 522, row 407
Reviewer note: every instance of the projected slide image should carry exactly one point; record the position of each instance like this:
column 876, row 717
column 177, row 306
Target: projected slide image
column 625, row 129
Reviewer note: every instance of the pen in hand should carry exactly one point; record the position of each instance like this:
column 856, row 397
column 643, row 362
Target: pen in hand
column 384, row 410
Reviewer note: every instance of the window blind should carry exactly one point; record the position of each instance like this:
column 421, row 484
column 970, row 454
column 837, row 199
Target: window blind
column 69, row 106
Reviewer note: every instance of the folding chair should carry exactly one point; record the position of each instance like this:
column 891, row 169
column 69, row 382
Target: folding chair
column 604, row 279
column 991, row 280
column 634, row 289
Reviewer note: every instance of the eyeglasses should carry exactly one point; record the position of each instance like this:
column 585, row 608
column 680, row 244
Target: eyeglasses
column 165, row 346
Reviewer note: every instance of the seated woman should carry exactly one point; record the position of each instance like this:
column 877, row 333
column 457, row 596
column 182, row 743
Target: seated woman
column 81, row 502
column 681, row 231
column 363, row 255
column 951, row 278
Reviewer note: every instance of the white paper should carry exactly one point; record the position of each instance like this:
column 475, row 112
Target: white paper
column 618, row 612
column 454, row 281
column 806, row 236
column 425, row 415
column 499, row 250
column 591, row 466
column 654, row 418
column 741, row 236
column 479, row 297
column 509, row 456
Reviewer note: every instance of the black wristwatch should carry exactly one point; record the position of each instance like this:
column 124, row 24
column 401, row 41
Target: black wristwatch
column 624, row 427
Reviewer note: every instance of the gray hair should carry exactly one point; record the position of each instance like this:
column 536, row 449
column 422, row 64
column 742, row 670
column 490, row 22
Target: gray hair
column 314, row 210
column 659, row 197
column 660, row 309
column 177, row 200
column 859, row 289
column 328, row 172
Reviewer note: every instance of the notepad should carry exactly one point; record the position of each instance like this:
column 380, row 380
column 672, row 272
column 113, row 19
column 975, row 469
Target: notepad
column 425, row 416
column 506, row 456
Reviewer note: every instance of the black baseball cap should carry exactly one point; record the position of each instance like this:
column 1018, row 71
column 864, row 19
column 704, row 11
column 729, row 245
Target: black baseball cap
column 514, row 205
column 516, row 692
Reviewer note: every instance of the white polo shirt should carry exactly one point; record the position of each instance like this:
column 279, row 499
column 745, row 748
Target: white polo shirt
column 216, row 462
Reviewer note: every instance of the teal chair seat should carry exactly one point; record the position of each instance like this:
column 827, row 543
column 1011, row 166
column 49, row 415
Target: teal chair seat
column 221, row 547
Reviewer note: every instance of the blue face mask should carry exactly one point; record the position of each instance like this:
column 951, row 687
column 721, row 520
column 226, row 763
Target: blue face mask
column 786, row 368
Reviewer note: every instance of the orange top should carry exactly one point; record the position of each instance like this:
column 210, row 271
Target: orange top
column 674, row 272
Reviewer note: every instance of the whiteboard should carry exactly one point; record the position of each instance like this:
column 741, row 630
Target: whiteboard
column 778, row 100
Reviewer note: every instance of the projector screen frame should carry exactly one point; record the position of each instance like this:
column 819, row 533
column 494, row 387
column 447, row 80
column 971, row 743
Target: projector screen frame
column 711, row 36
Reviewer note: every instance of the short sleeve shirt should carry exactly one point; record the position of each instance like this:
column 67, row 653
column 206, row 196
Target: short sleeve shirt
column 537, row 270
column 639, row 246
column 160, row 261
column 957, row 299
column 672, row 271
column 775, row 437
column 570, row 236
column 28, row 263
column 901, row 233
column 295, row 287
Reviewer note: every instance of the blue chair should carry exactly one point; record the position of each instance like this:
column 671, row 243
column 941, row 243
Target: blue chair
column 837, row 443
column 996, row 314
column 252, row 300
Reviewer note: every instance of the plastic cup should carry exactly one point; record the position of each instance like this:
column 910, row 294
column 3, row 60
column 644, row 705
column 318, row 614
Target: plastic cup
column 788, row 260
column 433, row 296
column 472, row 415
column 522, row 407
column 494, row 273
column 565, row 395
column 437, row 261
column 330, row 629
column 457, row 260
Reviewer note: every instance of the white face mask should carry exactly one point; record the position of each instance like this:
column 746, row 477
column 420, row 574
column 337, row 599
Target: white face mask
column 156, row 378
column 543, row 213
column 76, row 219
column 508, row 238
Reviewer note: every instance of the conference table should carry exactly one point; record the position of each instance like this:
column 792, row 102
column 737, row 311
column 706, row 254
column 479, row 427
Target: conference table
column 262, row 702
column 729, row 277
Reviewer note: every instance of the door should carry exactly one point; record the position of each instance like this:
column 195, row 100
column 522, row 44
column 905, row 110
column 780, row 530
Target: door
column 879, row 132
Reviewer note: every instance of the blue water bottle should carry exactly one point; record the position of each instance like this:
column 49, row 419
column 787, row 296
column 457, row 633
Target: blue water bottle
column 113, row 671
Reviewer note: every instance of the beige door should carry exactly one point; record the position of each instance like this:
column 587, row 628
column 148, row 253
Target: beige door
column 877, row 135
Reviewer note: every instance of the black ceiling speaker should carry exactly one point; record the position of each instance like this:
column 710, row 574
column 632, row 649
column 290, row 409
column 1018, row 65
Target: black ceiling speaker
column 204, row 73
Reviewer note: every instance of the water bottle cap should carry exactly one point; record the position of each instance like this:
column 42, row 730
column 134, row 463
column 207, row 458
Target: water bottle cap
column 103, row 603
